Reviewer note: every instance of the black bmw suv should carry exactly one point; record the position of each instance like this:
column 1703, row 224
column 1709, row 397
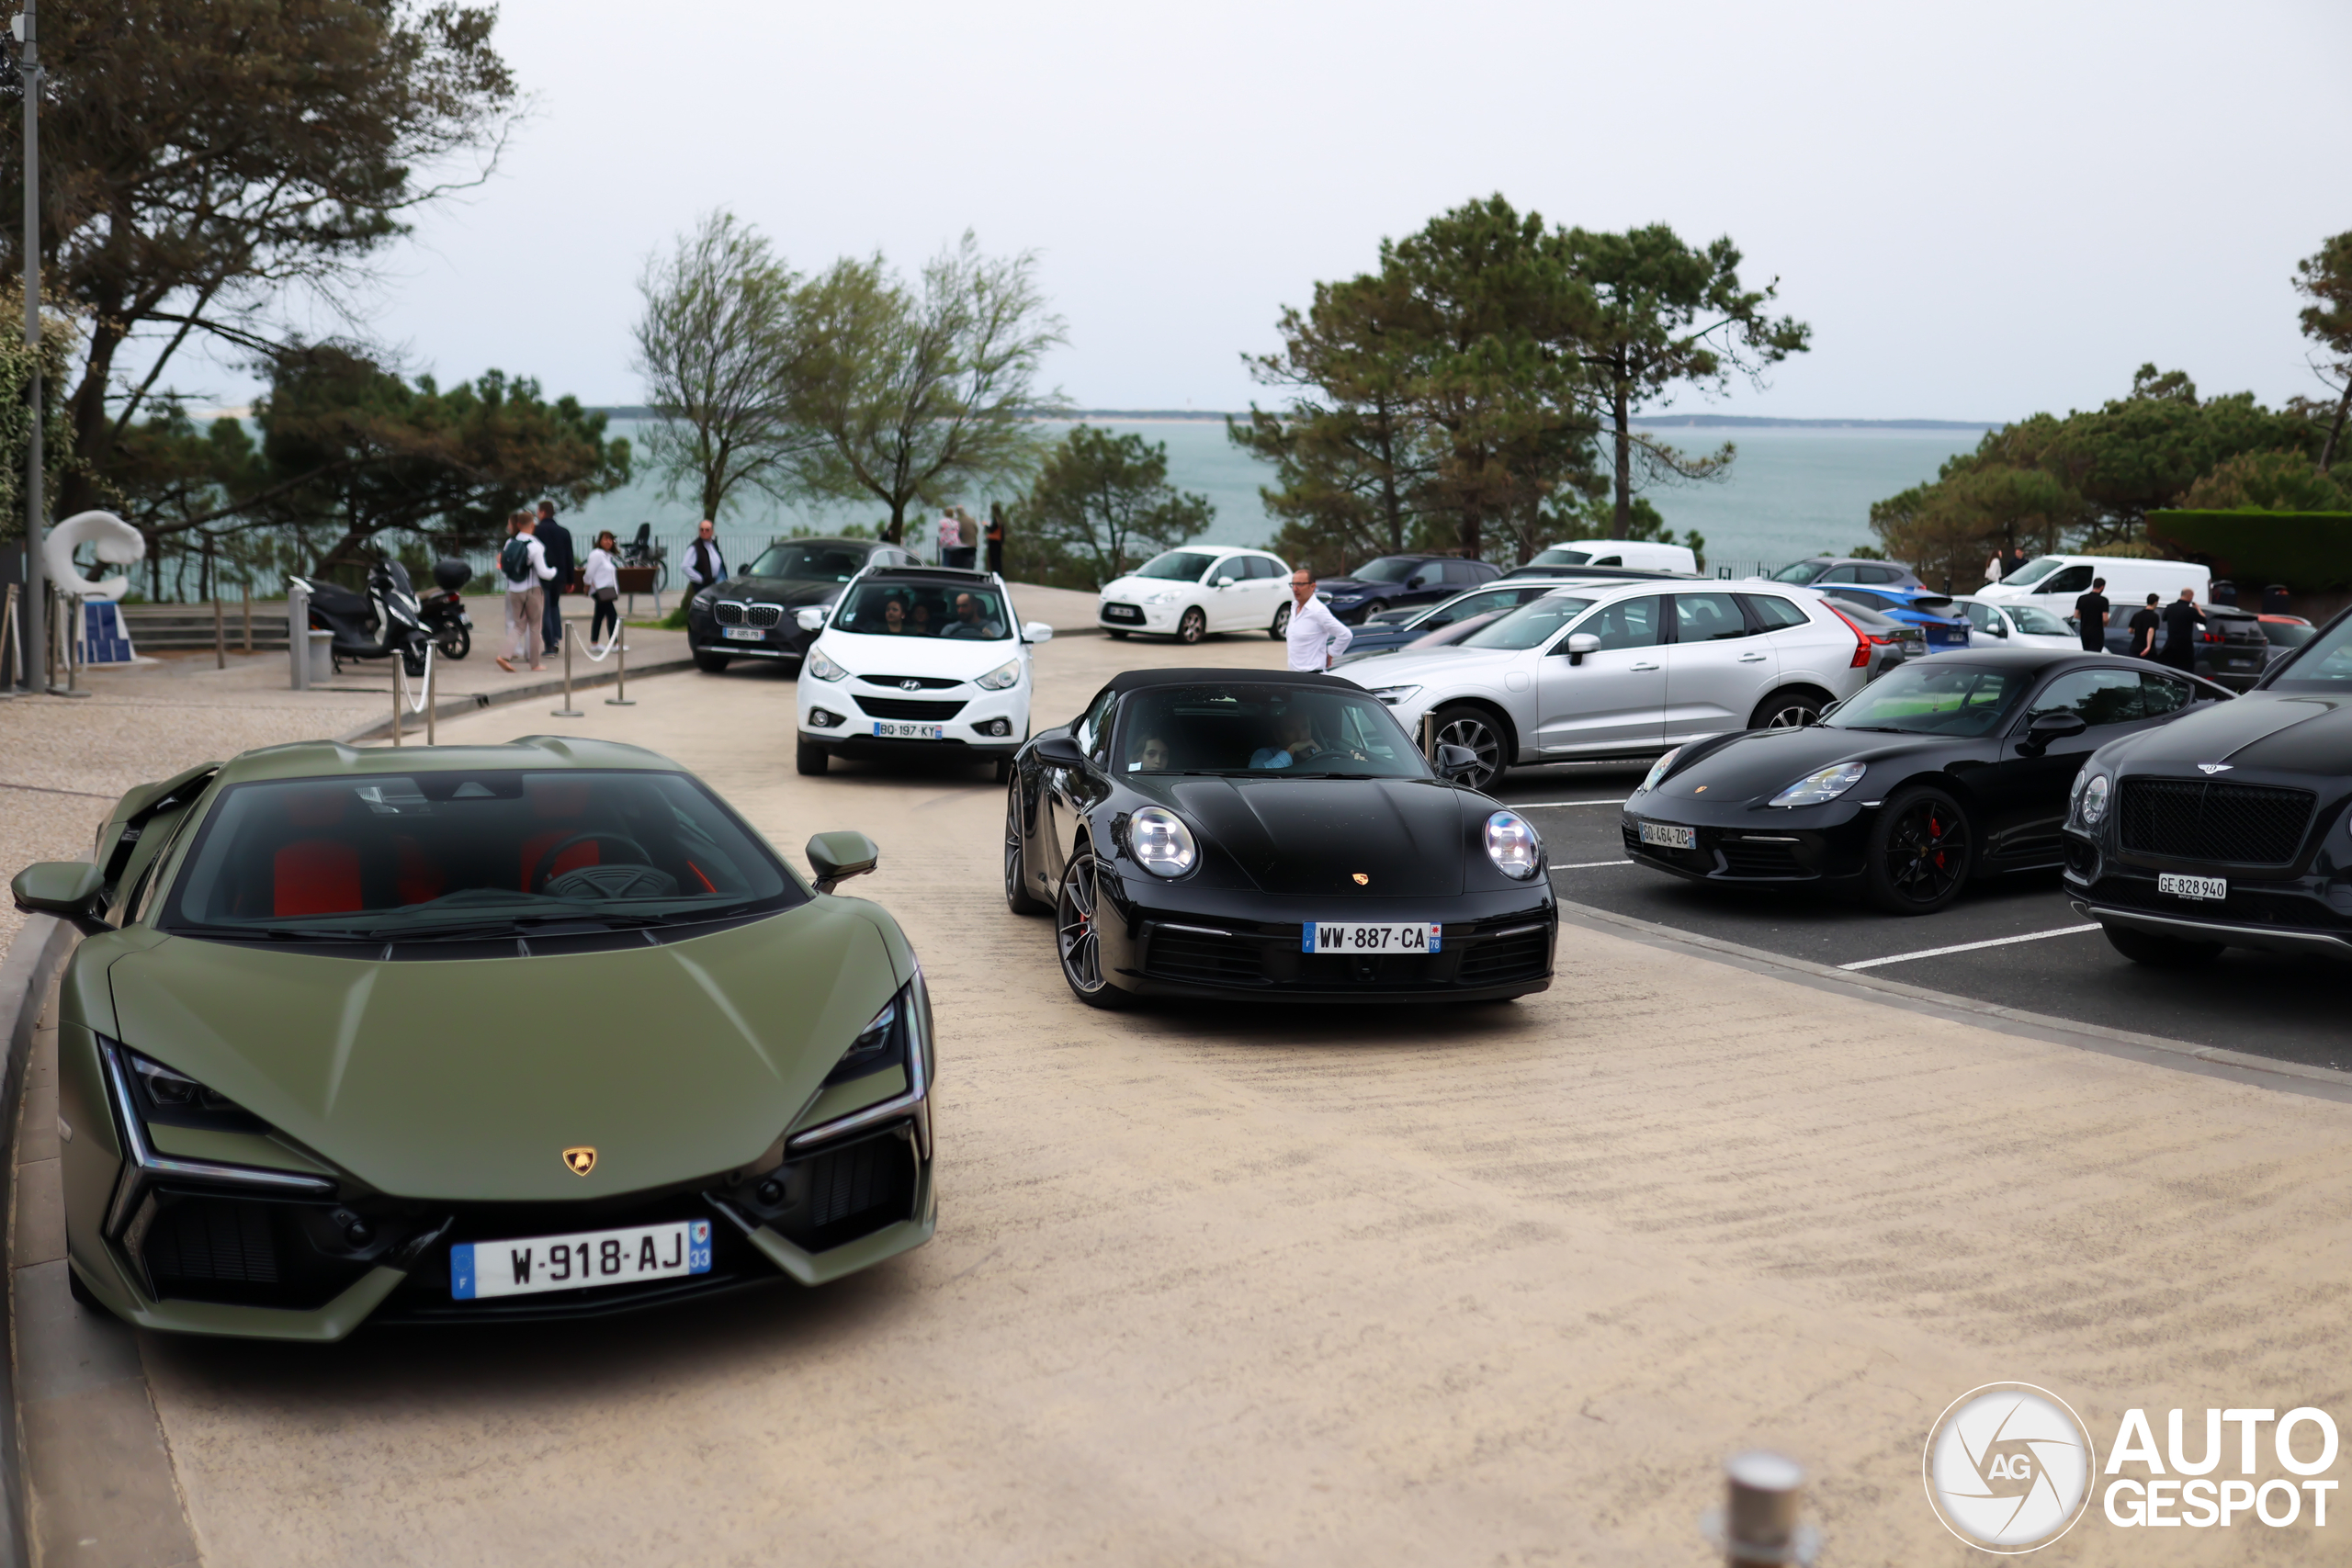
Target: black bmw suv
column 2228, row 829
column 753, row 614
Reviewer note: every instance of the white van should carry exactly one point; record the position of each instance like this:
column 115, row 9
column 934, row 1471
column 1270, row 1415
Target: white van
column 1640, row 554
column 2057, row 580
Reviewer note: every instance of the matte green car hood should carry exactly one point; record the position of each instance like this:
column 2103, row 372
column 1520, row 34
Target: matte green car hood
column 468, row 1079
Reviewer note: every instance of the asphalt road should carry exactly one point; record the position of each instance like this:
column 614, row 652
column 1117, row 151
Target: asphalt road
column 2041, row 959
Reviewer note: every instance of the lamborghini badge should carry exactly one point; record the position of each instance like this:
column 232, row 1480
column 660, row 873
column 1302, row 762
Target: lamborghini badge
column 579, row 1161
column 1361, row 880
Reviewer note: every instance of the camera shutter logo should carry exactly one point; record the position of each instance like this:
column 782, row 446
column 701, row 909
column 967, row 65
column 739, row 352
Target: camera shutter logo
column 2009, row 1467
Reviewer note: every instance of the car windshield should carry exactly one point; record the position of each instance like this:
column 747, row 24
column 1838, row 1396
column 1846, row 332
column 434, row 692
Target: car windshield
column 2324, row 664
column 810, row 562
column 1387, row 568
column 416, row 856
column 1560, row 555
column 2034, row 570
column 925, row 609
column 1260, row 730
column 1801, row 572
column 2035, row 621
column 2287, row 634
column 1177, row 566
column 1531, row 625
column 1939, row 697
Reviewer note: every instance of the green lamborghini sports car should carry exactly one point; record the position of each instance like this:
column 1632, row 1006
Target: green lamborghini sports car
column 458, row 1034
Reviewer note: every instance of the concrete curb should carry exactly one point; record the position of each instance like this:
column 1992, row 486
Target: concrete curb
column 2213, row 1061
column 474, row 702
column 34, row 959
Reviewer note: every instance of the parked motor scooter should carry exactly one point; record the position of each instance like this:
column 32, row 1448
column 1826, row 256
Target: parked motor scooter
column 378, row 624
column 444, row 610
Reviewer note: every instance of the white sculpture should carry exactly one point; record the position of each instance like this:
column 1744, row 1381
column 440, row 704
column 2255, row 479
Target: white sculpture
column 118, row 542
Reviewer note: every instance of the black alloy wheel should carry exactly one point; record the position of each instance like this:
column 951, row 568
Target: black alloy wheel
column 2160, row 951
column 1017, row 896
column 1465, row 726
column 1792, row 709
column 1281, row 628
column 1075, row 938
column 1191, row 627
column 1920, row 854
column 710, row 663
column 455, row 643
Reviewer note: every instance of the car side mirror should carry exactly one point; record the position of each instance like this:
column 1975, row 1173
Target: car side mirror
column 1060, row 751
column 1036, row 631
column 1998, row 628
column 1416, row 580
column 812, row 619
column 1456, row 760
column 1579, row 644
column 1225, row 583
column 72, row 890
column 2062, row 725
column 743, row 569
column 837, row 857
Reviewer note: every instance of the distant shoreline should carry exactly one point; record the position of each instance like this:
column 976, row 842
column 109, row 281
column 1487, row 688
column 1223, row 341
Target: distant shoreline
column 1657, row 421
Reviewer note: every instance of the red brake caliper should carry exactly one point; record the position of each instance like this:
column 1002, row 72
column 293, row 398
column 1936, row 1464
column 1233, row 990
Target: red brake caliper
column 1936, row 831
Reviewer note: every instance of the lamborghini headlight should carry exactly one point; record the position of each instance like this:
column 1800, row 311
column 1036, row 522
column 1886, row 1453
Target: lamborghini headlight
column 1162, row 842
column 172, row 1097
column 1657, row 771
column 881, row 1044
column 1817, row 789
column 997, row 679
column 1512, row 845
column 824, row 669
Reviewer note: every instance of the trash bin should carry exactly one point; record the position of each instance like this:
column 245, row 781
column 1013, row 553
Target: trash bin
column 321, row 656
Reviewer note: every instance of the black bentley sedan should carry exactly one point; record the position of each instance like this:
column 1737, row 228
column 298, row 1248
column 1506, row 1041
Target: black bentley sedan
column 750, row 614
column 2231, row 828
column 1242, row 833
column 1952, row 767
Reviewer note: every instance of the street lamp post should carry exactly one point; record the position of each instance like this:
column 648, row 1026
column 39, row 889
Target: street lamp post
column 36, row 602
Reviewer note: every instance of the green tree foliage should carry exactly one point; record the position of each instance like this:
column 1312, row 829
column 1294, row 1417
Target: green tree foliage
column 718, row 347
column 1102, row 502
column 1669, row 317
column 2086, row 481
column 916, row 392
column 2268, row 481
column 59, row 338
column 2326, row 279
column 207, row 164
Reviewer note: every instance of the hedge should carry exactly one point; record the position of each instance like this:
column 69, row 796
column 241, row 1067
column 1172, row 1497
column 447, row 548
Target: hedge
column 2309, row 551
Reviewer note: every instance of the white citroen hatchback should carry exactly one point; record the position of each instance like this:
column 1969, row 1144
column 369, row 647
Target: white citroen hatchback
column 1626, row 670
column 1189, row 593
column 916, row 659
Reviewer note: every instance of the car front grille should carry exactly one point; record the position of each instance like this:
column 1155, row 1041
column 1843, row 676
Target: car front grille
column 853, row 1192
column 1199, row 956
column 1746, row 857
column 240, row 1251
column 2198, row 819
column 897, row 707
column 732, row 612
column 1519, row 955
column 2245, row 906
column 1122, row 612
column 913, row 682
column 1268, row 958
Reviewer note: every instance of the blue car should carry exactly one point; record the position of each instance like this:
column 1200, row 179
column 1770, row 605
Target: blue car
column 1397, row 627
column 1944, row 623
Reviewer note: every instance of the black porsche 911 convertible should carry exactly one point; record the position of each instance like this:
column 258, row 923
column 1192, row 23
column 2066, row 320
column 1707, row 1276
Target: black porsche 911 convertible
column 1955, row 766
column 1257, row 833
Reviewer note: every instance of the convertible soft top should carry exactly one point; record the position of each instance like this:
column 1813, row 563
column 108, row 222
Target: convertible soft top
column 1137, row 680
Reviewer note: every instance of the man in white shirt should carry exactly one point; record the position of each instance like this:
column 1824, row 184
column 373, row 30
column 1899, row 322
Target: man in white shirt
column 1316, row 636
column 524, row 563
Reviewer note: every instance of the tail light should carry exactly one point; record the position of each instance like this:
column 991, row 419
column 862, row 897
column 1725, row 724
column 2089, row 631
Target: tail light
column 1861, row 659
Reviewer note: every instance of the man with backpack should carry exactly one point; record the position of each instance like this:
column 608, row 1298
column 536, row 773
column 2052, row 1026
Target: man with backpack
column 555, row 539
column 523, row 564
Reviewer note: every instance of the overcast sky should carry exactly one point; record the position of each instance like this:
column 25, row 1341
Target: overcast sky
column 1983, row 209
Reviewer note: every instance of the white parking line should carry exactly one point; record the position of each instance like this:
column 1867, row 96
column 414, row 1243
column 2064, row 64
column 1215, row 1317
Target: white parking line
column 1589, row 864
column 1968, row 946
column 1539, row 804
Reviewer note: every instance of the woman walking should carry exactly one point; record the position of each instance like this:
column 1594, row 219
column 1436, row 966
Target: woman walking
column 602, row 575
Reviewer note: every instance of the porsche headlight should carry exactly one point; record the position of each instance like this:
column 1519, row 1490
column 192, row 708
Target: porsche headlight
column 824, row 669
column 1161, row 843
column 1816, row 789
column 997, row 680
column 1657, row 771
column 1512, row 845
column 1392, row 695
column 2090, row 798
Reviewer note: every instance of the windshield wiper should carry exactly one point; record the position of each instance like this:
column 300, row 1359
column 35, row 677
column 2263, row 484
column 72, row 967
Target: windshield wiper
column 511, row 923
column 273, row 933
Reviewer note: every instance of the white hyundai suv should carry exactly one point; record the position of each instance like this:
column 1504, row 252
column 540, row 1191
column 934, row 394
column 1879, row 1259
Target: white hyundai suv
column 1627, row 669
column 1190, row 592
column 916, row 659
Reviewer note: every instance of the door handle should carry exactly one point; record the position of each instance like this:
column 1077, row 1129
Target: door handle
column 1751, row 658
column 1641, row 667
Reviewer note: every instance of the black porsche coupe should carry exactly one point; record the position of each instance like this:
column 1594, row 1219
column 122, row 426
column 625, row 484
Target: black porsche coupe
column 1954, row 766
column 1239, row 833
column 2227, row 829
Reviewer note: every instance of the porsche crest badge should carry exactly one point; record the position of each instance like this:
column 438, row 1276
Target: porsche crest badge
column 1361, row 880
column 579, row 1161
